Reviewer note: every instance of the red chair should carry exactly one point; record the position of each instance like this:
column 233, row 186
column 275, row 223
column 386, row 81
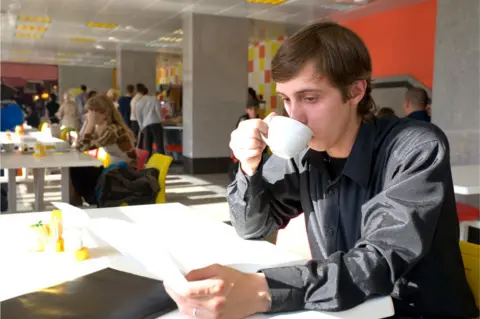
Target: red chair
column 142, row 156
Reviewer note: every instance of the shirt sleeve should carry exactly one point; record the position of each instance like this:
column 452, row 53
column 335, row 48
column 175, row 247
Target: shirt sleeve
column 398, row 225
column 266, row 201
column 139, row 108
column 93, row 140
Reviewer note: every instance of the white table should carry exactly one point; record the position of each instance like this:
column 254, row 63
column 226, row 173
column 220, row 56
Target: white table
column 192, row 240
column 13, row 161
column 466, row 179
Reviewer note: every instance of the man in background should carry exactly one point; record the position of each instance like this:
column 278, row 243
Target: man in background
column 80, row 100
column 124, row 104
column 416, row 104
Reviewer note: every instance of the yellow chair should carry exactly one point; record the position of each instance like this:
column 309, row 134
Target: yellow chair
column 471, row 261
column 162, row 163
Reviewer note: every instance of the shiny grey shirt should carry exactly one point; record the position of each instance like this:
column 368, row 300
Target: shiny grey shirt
column 387, row 225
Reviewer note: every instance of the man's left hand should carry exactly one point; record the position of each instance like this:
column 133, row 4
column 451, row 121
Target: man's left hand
column 220, row 292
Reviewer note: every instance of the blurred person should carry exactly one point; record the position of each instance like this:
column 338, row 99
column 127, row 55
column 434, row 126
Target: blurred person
column 252, row 99
column 52, row 107
column 140, row 87
column 68, row 113
column 112, row 95
column 81, row 99
column 124, row 104
column 91, row 94
column 104, row 127
column 11, row 114
column 149, row 117
column 385, row 111
column 251, row 112
column 31, row 118
column 416, row 104
column 377, row 195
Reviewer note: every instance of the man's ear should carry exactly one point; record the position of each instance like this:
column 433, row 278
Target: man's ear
column 357, row 91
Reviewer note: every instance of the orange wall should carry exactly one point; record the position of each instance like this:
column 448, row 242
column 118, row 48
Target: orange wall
column 401, row 41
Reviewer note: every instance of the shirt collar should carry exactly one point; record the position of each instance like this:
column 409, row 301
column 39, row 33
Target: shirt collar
column 359, row 163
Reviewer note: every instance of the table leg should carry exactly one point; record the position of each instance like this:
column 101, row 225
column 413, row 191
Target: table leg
column 39, row 187
column 65, row 184
column 12, row 190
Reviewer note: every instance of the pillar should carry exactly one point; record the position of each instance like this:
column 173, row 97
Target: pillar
column 136, row 67
column 215, row 83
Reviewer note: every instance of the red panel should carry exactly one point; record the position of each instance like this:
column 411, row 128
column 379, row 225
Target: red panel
column 273, row 102
column 267, row 76
column 250, row 66
column 35, row 72
column 262, row 51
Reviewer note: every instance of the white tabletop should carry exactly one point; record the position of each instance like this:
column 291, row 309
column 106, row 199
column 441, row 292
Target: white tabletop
column 30, row 139
column 192, row 240
column 52, row 159
column 466, row 179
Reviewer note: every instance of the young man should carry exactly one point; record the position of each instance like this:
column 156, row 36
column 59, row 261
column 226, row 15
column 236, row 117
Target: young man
column 377, row 196
column 81, row 100
column 416, row 104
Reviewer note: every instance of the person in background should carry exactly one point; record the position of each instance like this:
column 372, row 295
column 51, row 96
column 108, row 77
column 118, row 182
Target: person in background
column 124, row 104
column 91, row 94
column 52, row 108
column 251, row 112
column 68, row 113
column 140, row 87
column 377, row 195
column 81, row 99
column 416, row 104
column 11, row 115
column 104, row 127
column 112, row 95
column 385, row 111
column 149, row 117
column 252, row 99
column 32, row 117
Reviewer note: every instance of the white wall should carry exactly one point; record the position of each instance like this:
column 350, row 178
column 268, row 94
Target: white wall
column 98, row 79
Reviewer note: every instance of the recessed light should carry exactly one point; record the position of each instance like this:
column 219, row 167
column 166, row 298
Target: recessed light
column 31, row 28
column 29, row 35
column 112, row 39
column 99, row 47
column 34, row 19
column 89, row 40
column 102, row 25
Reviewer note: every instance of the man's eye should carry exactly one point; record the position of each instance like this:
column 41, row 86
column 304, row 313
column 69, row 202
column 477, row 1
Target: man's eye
column 310, row 99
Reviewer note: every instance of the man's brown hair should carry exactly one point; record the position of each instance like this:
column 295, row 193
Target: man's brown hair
column 338, row 54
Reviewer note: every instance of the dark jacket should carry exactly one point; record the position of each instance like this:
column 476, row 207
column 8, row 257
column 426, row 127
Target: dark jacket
column 387, row 225
column 127, row 185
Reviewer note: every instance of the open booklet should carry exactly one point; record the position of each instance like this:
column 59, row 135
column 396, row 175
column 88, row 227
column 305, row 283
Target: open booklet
column 130, row 241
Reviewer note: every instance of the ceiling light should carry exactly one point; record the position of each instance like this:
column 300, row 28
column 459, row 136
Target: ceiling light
column 272, row 2
column 34, row 19
column 22, row 51
column 89, row 40
column 101, row 25
column 114, row 39
column 99, row 47
column 31, row 28
column 29, row 35
column 179, row 40
column 66, row 54
column 179, row 31
column 156, row 44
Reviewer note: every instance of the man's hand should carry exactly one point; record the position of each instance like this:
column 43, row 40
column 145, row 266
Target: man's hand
column 220, row 292
column 247, row 144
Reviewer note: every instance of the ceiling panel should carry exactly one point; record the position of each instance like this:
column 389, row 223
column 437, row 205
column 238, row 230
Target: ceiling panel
column 138, row 23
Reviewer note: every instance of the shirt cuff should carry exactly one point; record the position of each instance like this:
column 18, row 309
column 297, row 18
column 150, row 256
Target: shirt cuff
column 247, row 183
column 286, row 285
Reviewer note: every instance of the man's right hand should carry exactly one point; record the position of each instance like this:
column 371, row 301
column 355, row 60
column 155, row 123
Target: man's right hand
column 247, row 144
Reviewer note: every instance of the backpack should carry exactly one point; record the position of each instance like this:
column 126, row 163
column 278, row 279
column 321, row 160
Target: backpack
column 125, row 185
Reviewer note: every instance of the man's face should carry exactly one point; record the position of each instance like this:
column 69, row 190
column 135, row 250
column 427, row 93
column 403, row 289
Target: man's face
column 312, row 100
column 252, row 112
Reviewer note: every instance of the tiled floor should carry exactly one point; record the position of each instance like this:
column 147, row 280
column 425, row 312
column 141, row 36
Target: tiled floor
column 204, row 193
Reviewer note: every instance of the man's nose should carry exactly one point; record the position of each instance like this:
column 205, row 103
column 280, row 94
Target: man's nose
column 297, row 114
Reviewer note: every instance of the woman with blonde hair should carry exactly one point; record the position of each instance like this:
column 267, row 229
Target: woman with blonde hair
column 112, row 95
column 68, row 113
column 104, row 127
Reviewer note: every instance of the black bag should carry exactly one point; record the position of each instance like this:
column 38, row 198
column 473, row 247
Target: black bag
column 122, row 185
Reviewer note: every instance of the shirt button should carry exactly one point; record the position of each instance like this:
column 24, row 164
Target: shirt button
column 330, row 192
column 330, row 232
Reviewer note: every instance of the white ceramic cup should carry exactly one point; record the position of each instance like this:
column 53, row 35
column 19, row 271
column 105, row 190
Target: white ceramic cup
column 287, row 137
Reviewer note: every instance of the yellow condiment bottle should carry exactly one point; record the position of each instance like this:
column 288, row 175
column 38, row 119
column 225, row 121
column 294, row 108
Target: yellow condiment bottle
column 56, row 231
